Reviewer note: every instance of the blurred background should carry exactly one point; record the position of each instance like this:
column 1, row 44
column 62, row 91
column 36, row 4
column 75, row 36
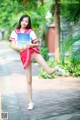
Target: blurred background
column 57, row 25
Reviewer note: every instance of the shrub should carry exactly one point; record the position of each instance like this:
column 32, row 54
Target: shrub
column 44, row 52
column 70, row 69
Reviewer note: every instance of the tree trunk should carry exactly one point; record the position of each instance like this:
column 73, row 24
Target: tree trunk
column 57, row 30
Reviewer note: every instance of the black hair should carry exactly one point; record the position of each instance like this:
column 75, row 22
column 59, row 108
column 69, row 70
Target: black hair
column 29, row 23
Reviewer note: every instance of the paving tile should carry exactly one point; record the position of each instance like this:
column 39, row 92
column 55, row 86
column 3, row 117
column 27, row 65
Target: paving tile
column 49, row 105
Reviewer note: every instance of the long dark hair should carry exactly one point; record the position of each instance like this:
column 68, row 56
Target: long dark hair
column 29, row 23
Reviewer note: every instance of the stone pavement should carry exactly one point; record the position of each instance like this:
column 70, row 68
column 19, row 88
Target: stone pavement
column 55, row 99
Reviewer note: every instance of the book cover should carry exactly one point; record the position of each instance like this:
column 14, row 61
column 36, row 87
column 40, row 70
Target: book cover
column 22, row 39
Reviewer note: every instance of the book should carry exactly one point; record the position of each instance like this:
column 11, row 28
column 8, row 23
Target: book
column 22, row 39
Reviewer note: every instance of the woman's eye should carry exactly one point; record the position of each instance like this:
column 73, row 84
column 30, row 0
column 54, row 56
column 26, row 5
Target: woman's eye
column 26, row 21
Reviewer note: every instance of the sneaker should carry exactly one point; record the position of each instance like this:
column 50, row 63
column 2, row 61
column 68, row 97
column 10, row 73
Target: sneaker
column 60, row 71
column 30, row 106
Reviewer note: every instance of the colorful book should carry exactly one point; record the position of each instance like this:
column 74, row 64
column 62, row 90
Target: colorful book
column 22, row 39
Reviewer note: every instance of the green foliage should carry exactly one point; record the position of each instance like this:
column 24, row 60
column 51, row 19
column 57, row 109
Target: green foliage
column 69, row 67
column 73, row 56
column 67, row 8
column 67, row 47
column 44, row 52
column 72, row 67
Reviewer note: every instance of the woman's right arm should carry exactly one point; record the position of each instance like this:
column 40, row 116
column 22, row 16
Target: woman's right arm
column 15, row 47
column 13, row 38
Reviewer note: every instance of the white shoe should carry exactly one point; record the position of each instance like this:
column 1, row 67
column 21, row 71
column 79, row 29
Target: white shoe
column 30, row 106
column 60, row 71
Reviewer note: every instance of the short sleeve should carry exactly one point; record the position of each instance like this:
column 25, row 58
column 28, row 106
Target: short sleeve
column 13, row 36
column 33, row 36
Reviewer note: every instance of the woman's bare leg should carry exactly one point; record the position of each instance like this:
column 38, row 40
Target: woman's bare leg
column 29, row 81
column 42, row 62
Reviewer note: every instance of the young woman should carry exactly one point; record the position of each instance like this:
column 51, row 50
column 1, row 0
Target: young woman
column 24, row 39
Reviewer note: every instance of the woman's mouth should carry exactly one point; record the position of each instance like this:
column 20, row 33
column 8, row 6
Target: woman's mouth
column 23, row 25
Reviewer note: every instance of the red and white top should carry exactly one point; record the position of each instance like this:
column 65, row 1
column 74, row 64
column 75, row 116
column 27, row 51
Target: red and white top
column 25, row 55
column 14, row 35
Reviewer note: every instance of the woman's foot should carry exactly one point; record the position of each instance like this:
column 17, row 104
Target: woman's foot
column 60, row 71
column 30, row 106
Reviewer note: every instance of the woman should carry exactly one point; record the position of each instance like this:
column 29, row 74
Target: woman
column 24, row 39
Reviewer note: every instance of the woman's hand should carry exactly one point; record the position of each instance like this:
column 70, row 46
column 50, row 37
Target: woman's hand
column 29, row 45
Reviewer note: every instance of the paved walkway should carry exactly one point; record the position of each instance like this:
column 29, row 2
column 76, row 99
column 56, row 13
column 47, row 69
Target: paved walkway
column 55, row 99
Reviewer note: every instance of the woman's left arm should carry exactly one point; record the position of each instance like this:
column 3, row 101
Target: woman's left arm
column 36, row 44
column 30, row 45
column 34, row 39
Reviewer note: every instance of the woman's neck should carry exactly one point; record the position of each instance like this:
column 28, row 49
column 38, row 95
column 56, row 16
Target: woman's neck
column 22, row 29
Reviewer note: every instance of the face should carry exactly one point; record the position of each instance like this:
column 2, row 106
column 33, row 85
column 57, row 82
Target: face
column 24, row 22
